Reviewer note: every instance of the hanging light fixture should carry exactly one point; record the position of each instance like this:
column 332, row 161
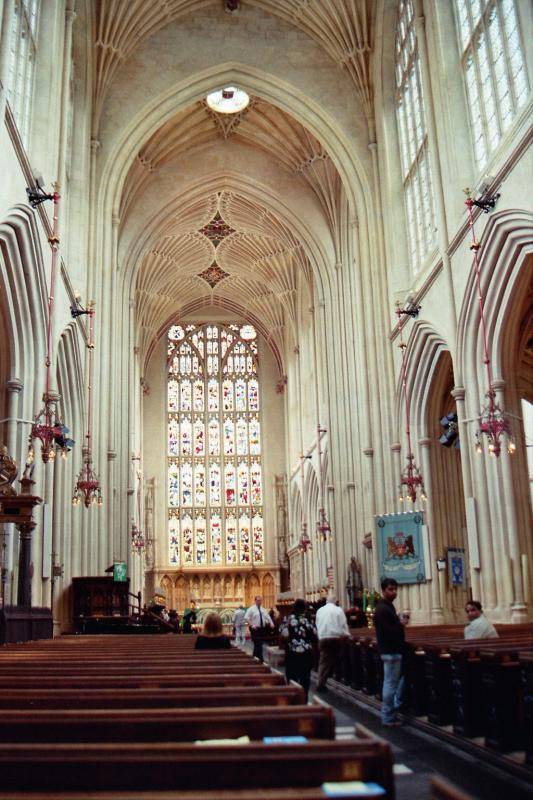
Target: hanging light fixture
column 411, row 479
column 138, row 542
column 87, row 486
column 493, row 422
column 323, row 526
column 138, row 539
column 229, row 100
column 47, row 426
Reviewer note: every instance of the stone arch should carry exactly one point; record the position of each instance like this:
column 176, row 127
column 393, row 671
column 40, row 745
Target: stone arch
column 268, row 591
column 252, row 588
column 168, row 590
column 182, row 593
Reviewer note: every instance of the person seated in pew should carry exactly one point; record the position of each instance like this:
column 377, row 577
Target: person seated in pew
column 212, row 637
column 478, row 625
column 189, row 617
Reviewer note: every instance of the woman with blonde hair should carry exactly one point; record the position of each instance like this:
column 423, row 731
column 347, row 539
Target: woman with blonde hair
column 212, row 637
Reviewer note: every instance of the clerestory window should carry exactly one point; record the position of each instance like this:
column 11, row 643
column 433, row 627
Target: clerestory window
column 494, row 69
column 215, row 492
column 23, row 49
column 412, row 129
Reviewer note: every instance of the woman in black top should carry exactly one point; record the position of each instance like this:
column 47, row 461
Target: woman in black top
column 299, row 635
column 212, row 637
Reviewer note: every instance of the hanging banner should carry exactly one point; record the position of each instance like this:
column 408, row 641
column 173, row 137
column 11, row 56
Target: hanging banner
column 120, row 572
column 401, row 547
column 456, row 566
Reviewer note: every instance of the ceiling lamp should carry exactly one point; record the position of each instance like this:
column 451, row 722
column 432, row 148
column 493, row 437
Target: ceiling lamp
column 228, row 100
column 411, row 478
column 87, row 486
column 47, row 425
column 493, row 422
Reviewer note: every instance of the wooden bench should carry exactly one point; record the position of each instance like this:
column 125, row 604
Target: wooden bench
column 152, row 680
column 282, row 793
column 152, row 698
column 162, row 725
column 164, row 766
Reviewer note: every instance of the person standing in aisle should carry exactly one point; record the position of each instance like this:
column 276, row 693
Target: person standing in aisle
column 260, row 626
column 239, row 623
column 390, row 634
column 332, row 629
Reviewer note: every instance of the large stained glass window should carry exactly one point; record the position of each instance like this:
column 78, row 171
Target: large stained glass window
column 215, row 483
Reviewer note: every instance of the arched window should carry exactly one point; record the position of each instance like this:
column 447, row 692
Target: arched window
column 215, row 486
column 494, row 69
column 23, row 47
column 410, row 114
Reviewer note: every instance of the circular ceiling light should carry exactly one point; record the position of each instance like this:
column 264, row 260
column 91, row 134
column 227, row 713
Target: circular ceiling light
column 228, row 100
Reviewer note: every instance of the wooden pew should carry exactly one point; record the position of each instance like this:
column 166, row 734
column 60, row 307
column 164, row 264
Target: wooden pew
column 162, row 725
column 283, row 793
column 164, row 766
column 157, row 680
column 151, row 698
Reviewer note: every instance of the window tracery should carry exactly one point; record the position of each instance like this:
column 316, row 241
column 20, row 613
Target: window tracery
column 412, row 129
column 215, row 492
column 494, row 69
column 23, row 49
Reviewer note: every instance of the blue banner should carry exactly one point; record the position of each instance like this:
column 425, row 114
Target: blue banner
column 401, row 547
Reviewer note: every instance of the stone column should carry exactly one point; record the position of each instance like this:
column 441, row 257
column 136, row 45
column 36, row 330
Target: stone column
column 437, row 614
column 25, row 565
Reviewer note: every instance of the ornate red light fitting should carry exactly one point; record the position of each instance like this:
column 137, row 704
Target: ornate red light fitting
column 87, row 486
column 47, row 426
column 493, row 422
column 411, row 480
column 138, row 542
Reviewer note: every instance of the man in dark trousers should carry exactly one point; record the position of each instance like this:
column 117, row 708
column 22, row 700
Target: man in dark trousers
column 391, row 645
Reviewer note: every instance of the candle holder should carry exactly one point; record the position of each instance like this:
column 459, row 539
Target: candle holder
column 369, row 613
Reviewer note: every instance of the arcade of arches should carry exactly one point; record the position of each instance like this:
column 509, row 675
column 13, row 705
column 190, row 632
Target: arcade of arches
column 251, row 396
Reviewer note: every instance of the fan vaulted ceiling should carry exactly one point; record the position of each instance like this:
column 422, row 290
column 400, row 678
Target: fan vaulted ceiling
column 253, row 263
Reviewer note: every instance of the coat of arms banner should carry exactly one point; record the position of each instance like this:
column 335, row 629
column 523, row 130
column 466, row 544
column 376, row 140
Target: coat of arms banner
column 401, row 547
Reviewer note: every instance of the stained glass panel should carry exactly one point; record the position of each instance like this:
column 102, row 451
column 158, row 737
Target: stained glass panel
column 187, row 539
column 257, row 539
column 243, row 477
column 173, row 391
column 214, row 484
column 214, row 437
column 229, row 437
column 244, row 539
column 214, row 395
column 231, row 539
column 254, row 435
column 200, row 537
column 174, row 541
column 173, row 437
column 198, row 437
column 186, row 436
column 242, row 437
column 216, row 539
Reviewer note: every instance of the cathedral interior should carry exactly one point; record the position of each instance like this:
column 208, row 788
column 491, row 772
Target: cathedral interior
column 266, row 272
